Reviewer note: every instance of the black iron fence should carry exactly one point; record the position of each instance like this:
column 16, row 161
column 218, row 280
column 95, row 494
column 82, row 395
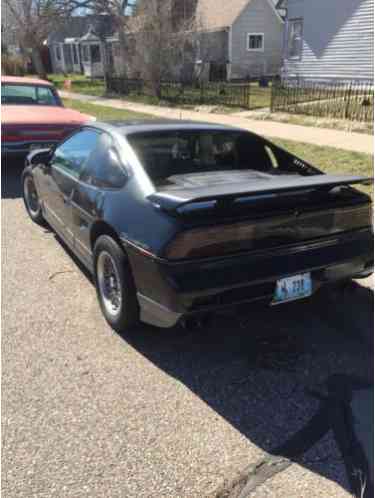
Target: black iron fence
column 207, row 93
column 124, row 86
column 340, row 100
column 247, row 95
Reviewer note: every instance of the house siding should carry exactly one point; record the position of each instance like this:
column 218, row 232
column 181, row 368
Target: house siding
column 57, row 65
column 337, row 39
column 257, row 17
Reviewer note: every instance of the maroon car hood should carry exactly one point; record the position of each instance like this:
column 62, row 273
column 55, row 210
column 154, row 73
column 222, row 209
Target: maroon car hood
column 41, row 115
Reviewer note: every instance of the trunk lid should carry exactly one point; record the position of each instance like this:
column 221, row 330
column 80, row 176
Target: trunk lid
column 263, row 212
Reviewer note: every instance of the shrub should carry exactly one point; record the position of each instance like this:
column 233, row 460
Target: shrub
column 12, row 65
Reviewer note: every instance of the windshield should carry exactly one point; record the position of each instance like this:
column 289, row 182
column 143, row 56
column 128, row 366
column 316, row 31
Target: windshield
column 15, row 94
column 172, row 157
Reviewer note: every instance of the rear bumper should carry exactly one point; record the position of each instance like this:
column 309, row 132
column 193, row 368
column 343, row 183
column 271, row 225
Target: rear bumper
column 169, row 291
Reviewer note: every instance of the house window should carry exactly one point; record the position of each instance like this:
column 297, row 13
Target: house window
column 58, row 52
column 295, row 27
column 75, row 54
column 95, row 53
column 255, row 42
column 85, row 53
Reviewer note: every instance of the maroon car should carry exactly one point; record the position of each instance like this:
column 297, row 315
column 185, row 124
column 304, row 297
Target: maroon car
column 33, row 116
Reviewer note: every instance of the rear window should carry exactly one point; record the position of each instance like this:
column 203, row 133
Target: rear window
column 168, row 155
column 28, row 95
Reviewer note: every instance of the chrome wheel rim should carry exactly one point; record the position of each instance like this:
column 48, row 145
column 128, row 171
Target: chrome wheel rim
column 31, row 195
column 109, row 284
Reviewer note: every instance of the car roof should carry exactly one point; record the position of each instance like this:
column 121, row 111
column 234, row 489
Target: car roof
column 24, row 80
column 157, row 125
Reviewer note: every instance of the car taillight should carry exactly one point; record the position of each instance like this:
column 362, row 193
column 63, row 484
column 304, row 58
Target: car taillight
column 268, row 232
column 208, row 242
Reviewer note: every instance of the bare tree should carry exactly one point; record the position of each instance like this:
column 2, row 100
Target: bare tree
column 164, row 44
column 34, row 20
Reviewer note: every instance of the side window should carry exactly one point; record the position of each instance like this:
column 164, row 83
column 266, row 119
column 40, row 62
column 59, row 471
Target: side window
column 58, row 52
column 85, row 53
column 71, row 155
column 95, row 53
column 104, row 168
column 45, row 96
column 255, row 42
column 295, row 40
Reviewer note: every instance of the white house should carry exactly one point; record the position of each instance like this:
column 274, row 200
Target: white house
column 329, row 39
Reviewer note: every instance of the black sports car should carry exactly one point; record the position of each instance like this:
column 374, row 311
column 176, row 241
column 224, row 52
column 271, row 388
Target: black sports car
column 180, row 219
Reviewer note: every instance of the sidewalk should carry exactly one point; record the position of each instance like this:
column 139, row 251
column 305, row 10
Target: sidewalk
column 357, row 142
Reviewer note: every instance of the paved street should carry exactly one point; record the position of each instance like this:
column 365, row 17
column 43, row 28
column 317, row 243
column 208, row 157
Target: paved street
column 163, row 414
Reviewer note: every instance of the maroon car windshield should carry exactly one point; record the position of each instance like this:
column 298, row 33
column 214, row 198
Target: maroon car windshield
column 15, row 94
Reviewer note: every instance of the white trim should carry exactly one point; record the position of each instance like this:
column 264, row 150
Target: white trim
column 298, row 57
column 254, row 49
column 62, row 60
column 230, row 48
column 273, row 7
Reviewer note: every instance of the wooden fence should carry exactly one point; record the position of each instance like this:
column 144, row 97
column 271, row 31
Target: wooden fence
column 340, row 100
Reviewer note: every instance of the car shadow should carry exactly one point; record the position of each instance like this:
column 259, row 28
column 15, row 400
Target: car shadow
column 11, row 172
column 266, row 370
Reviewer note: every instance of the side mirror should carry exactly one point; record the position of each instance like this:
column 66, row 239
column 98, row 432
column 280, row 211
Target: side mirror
column 40, row 156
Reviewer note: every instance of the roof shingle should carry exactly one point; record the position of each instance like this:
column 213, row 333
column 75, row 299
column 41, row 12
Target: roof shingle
column 213, row 15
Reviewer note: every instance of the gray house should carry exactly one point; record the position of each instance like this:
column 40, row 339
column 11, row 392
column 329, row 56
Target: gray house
column 246, row 35
column 328, row 39
column 234, row 40
column 78, row 45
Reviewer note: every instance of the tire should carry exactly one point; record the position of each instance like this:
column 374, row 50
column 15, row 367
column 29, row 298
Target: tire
column 115, row 285
column 31, row 198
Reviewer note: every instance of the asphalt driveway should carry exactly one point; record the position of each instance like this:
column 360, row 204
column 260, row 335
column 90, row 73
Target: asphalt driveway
column 172, row 413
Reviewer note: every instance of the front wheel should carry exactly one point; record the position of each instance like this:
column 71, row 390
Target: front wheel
column 31, row 198
column 115, row 285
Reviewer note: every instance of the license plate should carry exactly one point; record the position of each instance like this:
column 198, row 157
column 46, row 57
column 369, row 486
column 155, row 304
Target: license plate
column 292, row 288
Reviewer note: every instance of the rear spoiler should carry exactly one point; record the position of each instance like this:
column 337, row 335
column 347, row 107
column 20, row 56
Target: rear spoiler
column 175, row 199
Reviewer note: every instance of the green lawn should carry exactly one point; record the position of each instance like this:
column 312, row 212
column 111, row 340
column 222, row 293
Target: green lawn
column 224, row 95
column 329, row 159
column 313, row 121
column 80, row 83
column 104, row 113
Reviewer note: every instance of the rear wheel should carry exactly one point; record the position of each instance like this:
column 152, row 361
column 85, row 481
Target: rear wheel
column 31, row 198
column 115, row 285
